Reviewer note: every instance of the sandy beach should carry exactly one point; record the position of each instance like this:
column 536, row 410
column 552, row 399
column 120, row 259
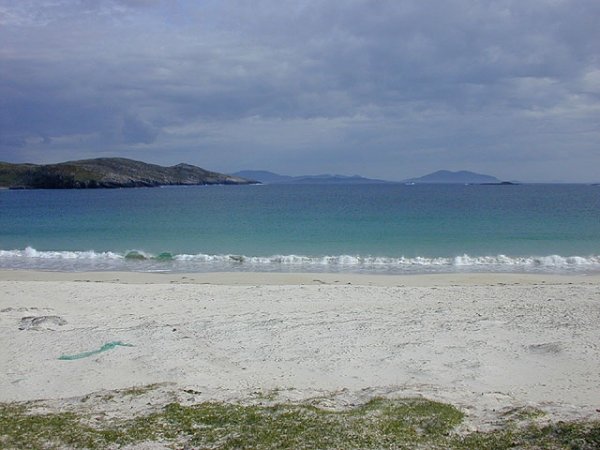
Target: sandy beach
column 481, row 342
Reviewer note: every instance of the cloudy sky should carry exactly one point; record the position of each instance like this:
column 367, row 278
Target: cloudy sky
column 384, row 88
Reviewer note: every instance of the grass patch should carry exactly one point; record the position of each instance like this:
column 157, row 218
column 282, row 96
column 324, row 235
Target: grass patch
column 380, row 423
column 561, row 435
column 21, row 430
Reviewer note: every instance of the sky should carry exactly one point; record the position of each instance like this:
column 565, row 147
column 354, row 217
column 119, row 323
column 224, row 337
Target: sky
column 382, row 88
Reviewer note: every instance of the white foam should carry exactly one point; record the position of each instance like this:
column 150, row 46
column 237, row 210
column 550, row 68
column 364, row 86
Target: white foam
column 30, row 252
column 83, row 260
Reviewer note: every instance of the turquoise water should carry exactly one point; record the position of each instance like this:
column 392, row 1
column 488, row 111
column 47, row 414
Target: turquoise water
column 372, row 228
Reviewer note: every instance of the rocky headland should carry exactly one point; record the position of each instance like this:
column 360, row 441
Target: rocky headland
column 108, row 173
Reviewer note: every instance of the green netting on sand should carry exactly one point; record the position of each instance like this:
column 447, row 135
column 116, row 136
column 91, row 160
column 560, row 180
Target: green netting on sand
column 105, row 347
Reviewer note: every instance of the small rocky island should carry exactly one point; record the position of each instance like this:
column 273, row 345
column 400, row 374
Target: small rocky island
column 108, row 173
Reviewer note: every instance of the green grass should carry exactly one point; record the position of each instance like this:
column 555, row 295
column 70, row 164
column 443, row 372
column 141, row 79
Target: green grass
column 561, row 435
column 380, row 423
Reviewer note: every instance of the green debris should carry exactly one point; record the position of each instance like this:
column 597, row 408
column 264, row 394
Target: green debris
column 105, row 347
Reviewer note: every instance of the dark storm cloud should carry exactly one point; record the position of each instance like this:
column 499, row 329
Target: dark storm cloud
column 385, row 88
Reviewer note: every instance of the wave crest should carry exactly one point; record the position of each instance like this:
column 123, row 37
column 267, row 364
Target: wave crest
column 138, row 260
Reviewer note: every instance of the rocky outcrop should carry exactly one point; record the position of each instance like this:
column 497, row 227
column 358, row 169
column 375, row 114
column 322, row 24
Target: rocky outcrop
column 41, row 322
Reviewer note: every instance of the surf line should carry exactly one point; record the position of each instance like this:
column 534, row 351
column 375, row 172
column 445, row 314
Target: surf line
column 105, row 347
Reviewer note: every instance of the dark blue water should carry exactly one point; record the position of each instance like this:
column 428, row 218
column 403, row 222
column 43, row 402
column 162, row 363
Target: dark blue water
column 379, row 228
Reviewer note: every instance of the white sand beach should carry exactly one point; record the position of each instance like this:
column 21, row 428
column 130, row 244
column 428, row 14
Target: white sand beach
column 482, row 342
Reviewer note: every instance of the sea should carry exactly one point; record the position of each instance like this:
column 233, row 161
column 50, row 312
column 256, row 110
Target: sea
column 370, row 228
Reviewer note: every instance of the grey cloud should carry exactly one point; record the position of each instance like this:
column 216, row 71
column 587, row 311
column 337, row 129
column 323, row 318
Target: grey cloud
column 12, row 141
column 46, row 12
column 454, row 81
column 132, row 130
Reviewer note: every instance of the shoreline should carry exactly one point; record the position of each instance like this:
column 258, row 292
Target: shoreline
column 299, row 278
column 483, row 342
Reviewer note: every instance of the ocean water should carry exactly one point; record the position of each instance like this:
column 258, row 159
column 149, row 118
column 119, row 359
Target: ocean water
column 348, row 228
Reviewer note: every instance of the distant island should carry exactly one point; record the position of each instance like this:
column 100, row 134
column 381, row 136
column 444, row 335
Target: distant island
column 267, row 177
column 108, row 173
column 460, row 177
column 439, row 177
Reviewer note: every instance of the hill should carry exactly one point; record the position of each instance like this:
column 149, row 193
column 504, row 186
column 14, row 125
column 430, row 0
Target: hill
column 460, row 177
column 107, row 173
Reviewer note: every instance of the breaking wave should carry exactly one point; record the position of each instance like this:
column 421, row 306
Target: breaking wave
column 138, row 260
